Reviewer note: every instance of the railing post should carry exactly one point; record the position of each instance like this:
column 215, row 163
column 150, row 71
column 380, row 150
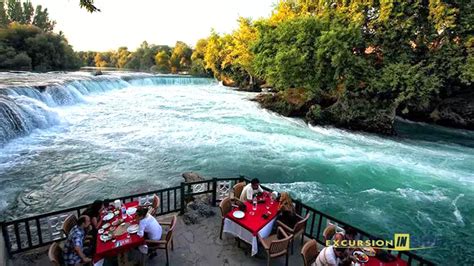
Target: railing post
column 183, row 185
column 5, row 244
column 214, row 191
column 297, row 206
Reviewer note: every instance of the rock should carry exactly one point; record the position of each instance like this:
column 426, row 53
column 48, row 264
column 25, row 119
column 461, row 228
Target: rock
column 192, row 177
column 456, row 112
column 97, row 73
column 190, row 218
column 197, row 211
column 291, row 102
column 360, row 114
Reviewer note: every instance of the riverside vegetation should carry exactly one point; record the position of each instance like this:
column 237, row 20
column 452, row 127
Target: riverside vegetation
column 353, row 64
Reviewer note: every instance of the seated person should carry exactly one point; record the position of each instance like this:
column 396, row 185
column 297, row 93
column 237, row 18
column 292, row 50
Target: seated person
column 330, row 256
column 149, row 225
column 73, row 251
column 94, row 212
column 287, row 210
column 250, row 190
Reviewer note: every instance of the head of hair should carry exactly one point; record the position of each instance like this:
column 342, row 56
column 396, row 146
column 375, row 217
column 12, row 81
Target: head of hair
column 351, row 231
column 82, row 219
column 95, row 207
column 141, row 211
column 255, row 181
column 285, row 201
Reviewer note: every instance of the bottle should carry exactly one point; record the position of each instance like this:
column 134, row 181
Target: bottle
column 254, row 203
column 124, row 212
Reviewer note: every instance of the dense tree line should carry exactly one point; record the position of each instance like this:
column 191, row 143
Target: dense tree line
column 27, row 41
column 149, row 57
column 354, row 64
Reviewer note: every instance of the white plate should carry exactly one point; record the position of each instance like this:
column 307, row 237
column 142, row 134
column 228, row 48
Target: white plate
column 105, row 238
column 132, row 228
column 105, row 226
column 131, row 211
column 108, row 216
column 239, row 214
column 361, row 254
column 100, row 231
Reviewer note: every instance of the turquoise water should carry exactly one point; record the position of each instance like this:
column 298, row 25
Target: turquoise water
column 143, row 136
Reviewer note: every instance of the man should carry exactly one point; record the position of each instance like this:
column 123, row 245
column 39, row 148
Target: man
column 332, row 256
column 250, row 190
column 149, row 225
column 74, row 246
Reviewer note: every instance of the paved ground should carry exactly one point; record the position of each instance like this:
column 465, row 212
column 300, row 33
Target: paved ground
column 197, row 244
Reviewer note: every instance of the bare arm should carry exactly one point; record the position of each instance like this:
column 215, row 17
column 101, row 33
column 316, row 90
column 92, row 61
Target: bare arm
column 78, row 250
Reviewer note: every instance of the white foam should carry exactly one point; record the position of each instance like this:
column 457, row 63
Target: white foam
column 456, row 211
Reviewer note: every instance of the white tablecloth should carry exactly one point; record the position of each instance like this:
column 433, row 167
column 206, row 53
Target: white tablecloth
column 235, row 229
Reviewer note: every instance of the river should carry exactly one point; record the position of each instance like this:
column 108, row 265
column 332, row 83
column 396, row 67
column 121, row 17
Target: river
column 118, row 134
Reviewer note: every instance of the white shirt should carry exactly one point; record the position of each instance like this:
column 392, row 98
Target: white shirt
column 327, row 257
column 150, row 226
column 248, row 191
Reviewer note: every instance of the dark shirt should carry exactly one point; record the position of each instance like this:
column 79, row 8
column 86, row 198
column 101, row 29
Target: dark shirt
column 288, row 217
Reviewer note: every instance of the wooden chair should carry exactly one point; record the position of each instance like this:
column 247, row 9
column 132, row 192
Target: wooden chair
column 55, row 254
column 154, row 205
column 276, row 247
column 68, row 224
column 165, row 242
column 238, row 189
column 298, row 229
column 225, row 206
column 329, row 232
column 309, row 252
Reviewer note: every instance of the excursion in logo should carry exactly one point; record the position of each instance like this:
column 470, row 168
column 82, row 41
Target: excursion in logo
column 400, row 242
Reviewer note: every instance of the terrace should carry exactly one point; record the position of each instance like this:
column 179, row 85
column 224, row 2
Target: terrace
column 27, row 240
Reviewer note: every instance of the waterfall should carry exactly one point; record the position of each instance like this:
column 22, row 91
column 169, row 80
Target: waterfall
column 24, row 108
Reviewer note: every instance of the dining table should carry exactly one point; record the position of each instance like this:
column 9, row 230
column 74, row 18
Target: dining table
column 119, row 244
column 254, row 223
column 374, row 261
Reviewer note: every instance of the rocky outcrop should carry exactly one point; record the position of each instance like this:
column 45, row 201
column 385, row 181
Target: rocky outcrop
column 291, row 102
column 369, row 115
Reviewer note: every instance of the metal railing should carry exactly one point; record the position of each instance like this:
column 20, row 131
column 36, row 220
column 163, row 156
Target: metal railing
column 32, row 232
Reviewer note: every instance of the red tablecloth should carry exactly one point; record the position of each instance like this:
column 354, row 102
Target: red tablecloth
column 255, row 222
column 109, row 249
column 373, row 261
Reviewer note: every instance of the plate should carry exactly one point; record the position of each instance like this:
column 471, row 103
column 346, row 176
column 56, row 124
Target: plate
column 105, row 238
column 131, row 211
column 133, row 228
column 108, row 216
column 239, row 214
column 105, row 226
column 360, row 256
column 100, row 231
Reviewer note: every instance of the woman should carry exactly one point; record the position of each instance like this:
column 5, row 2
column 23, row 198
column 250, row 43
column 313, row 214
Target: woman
column 287, row 210
column 93, row 211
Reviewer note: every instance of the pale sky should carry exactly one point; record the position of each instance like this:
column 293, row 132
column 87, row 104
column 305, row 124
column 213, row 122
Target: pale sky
column 130, row 22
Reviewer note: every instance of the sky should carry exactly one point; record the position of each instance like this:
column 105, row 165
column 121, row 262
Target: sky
column 130, row 22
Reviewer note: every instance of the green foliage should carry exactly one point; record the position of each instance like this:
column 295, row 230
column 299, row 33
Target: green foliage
column 180, row 59
column 162, row 61
column 27, row 47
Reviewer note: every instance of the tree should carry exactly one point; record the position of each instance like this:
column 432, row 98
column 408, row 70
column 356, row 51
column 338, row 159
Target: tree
column 180, row 59
column 4, row 20
column 162, row 61
column 41, row 19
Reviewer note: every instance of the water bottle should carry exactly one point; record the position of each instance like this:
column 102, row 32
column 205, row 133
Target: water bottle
column 254, row 205
column 124, row 212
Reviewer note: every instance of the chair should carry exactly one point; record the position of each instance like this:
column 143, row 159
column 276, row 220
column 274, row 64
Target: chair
column 275, row 246
column 55, row 254
column 165, row 242
column 309, row 252
column 329, row 232
column 298, row 229
column 238, row 189
column 225, row 206
column 154, row 205
column 69, row 223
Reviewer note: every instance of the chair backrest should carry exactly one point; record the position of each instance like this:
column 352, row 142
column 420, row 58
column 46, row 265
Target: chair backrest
column 169, row 234
column 225, row 206
column 69, row 223
column 310, row 252
column 280, row 246
column 156, row 202
column 55, row 254
column 301, row 224
column 238, row 189
column 329, row 232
